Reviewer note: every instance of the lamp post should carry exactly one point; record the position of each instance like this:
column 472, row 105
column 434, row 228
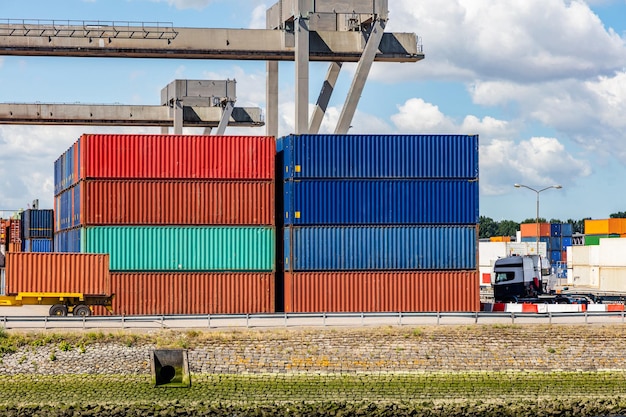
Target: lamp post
column 557, row 187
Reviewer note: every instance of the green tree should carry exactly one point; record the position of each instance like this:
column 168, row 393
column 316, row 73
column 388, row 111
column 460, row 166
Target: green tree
column 618, row 215
column 507, row 228
column 487, row 227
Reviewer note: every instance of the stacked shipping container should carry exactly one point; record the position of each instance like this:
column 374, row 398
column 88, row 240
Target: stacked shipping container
column 379, row 222
column 556, row 236
column 37, row 230
column 603, row 229
column 188, row 221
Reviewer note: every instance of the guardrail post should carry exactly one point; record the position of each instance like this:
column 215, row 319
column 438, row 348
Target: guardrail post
column 438, row 315
column 248, row 320
column 209, row 320
column 45, row 323
column 162, row 322
column 285, row 315
column 550, row 317
column 324, row 319
column 512, row 317
column 585, row 316
column 476, row 317
column 362, row 319
column 84, row 320
column 123, row 326
column 400, row 319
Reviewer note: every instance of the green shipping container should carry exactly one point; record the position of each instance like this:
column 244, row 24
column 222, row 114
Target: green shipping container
column 593, row 240
column 177, row 248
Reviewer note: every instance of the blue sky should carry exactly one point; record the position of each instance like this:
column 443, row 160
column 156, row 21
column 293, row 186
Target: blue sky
column 543, row 82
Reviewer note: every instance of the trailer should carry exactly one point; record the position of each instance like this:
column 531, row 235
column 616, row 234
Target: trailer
column 70, row 283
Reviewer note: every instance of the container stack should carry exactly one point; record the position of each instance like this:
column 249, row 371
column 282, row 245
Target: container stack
column 188, row 221
column 375, row 223
column 11, row 228
column 603, row 229
column 37, row 230
column 556, row 236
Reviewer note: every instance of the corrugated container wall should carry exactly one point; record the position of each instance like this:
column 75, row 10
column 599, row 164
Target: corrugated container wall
column 380, row 248
column 390, row 202
column 530, row 229
column 67, row 240
column 37, row 224
column 170, row 248
column 58, row 272
column 442, row 291
column 379, row 156
column 167, row 202
column 166, row 157
column 37, row 245
column 193, row 293
column 605, row 226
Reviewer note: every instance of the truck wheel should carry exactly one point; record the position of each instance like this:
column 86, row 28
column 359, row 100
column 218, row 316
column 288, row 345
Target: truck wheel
column 81, row 310
column 58, row 310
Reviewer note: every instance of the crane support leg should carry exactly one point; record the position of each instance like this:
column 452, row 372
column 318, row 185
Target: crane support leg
column 324, row 97
column 358, row 83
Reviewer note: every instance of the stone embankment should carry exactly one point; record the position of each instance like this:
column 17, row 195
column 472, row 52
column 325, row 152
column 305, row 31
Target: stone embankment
column 337, row 350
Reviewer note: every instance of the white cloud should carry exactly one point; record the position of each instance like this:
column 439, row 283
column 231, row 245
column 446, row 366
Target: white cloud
column 258, row 19
column 418, row 116
column 189, row 4
column 524, row 40
column 538, row 160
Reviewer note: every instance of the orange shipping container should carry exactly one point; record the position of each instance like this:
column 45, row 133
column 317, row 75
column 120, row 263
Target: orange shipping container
column 175, row 202
column 418, row 291
column 87, row 274
column 530, row 229
column 146, row 293
column 605, row 227
column 15, row 247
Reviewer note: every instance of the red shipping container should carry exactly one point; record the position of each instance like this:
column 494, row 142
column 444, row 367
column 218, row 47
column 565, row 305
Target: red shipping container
column 410, row 291
column 87, row 274
column 146, row 293
column 14, row 231
column 176, row 156
column 176, row 202
column 530, row 229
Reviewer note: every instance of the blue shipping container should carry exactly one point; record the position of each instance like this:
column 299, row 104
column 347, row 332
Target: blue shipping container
column 67, row 241
column 378, row 202
column 555, row 229
column 379, row 156
column 543, row 239
column 380, row 248
column 555, row 243
column 38, row 245
column 64, row 170
column 567, row 229
column 555, row 256
column 565, row 242
column 37, row 224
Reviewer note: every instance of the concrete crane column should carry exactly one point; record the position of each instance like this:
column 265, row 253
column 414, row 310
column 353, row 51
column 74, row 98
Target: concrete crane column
column 358, row 83
column 324, row 98
column 178, row 118
column 271, row 99
column 301, row 27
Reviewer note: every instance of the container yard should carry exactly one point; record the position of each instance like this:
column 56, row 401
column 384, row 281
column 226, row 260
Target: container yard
column 204, row 225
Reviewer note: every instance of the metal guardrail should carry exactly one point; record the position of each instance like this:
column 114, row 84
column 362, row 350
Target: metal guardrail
column 284, row 320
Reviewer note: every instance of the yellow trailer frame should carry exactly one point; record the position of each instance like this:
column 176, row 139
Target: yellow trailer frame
column 61, row 304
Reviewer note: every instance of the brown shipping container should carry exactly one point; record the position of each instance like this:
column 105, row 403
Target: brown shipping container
column 58, row 273
column 417, row 291
column 145, row 293
column 176, row 202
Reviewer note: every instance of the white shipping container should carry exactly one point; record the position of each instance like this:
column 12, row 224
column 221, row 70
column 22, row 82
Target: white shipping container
column 613, row 278
column 2, row 282
column 585, row 276
column 612, row 252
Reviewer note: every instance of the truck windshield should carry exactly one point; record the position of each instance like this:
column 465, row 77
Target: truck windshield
column 505, row 276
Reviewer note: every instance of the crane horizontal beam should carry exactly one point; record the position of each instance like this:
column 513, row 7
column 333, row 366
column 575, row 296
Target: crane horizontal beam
column 123, row 115
column 199, row 43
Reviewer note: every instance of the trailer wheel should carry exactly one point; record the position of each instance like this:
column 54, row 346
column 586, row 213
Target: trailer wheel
column 58, row 310
column 82, row 310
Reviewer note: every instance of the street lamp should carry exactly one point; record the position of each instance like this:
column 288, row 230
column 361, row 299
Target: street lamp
column 537, row 217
